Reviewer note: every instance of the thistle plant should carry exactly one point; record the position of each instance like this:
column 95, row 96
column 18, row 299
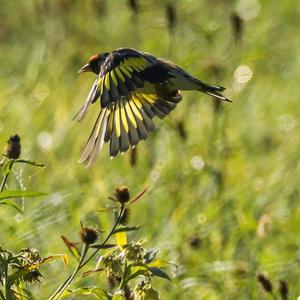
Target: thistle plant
column 11, row 157
column 123, row 262
column 17, row 271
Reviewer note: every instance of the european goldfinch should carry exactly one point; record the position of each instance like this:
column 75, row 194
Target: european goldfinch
column 133, row 87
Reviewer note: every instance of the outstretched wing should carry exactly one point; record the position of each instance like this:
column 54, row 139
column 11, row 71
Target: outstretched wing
column 130, row 88
column 125, row 122
column 125, row 71
column 91, row 98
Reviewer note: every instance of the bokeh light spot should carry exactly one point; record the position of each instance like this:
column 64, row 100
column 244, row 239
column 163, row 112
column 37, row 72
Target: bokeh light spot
column 248, row 9
column 45, row 140
column 197, row 163
column 243, row 74
column 202, row 218
column 286, row 122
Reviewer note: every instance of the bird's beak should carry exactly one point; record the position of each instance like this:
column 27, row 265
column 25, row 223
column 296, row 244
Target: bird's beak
column 85, row 68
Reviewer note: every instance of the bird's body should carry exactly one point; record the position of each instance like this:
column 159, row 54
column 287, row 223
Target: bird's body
column 133, row 87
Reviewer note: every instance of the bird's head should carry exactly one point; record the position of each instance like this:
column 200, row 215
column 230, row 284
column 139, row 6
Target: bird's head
column 94, row 63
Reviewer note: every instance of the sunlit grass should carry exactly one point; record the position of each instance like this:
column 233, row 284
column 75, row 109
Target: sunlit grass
column 235, row 165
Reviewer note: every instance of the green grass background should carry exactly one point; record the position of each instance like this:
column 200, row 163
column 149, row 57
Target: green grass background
column 232, row 182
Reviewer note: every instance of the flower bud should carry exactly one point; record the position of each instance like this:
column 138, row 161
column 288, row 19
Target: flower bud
column 88, row 235
column 13, row 147
column 122, row 194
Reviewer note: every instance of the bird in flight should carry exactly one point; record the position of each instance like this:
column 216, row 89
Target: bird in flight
column 133, row 87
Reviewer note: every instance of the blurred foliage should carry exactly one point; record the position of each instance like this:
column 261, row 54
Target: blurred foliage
column 235, row 189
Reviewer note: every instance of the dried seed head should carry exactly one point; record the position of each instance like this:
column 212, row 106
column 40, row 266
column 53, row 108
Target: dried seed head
column 113, row 280
column 30, row 255
column 13, row 147
column 134, row 5
column 264, row 282
column 283, row 289
column 89, row 235
column 194, row 242
column 134, row 252
column 122, row 194
column 32, row 276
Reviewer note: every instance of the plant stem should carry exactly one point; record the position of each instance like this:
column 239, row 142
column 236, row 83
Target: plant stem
column 108, row 236
column 5, row 178
column 82, row 263
column 6, row 284
column 67, row 282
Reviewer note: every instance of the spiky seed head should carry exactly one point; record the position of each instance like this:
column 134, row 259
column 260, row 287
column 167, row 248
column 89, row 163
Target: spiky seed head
column 89, row 235
column 32, row 276
column 13, row 147
column 122, row 194
column 264, row 282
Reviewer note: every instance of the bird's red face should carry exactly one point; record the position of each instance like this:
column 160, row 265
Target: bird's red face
column 94, row 64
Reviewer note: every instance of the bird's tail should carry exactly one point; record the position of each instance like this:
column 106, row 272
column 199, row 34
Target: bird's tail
column 212, row 90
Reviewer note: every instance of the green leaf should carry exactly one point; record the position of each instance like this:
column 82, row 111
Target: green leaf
column 28, row 162
column 12, row 204
column 91, row 272
column 18, row 194
column 72, row 247
column 100, row 246
column 121, row 228
column 63, row 257
column 159, row 273
column 101, row 294
column 132, row 272
column 118, row 297
column 87, row 291
column 158, row 263
column 7, row 166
